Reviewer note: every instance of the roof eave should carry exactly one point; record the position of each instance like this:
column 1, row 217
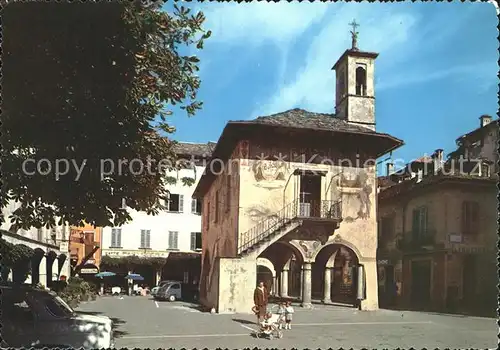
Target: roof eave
column 355, row 53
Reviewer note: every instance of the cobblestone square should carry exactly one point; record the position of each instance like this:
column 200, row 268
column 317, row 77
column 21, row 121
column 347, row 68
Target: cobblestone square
column 144, row 323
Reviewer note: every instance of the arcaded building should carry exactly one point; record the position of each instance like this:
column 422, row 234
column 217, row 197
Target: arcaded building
column 290, row 199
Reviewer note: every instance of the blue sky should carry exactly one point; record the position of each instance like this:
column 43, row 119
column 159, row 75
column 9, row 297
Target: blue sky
column 435, row 75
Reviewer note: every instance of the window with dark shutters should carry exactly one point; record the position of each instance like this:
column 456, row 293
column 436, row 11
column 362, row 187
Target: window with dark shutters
column 175, row 204
column 470, row 217
column 195, row 241
column 196, row 206
column 419, row 225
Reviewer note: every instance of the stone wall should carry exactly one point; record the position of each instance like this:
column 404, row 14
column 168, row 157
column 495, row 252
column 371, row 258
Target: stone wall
column 219, row 228
column 236, row 285
column 444, row 208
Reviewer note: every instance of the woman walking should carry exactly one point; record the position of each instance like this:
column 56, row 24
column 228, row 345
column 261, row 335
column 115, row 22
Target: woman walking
column 260, row 299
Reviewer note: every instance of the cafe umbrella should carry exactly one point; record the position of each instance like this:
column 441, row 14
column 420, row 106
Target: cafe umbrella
column 134, row 277
column 105, row 274
column 101, row 275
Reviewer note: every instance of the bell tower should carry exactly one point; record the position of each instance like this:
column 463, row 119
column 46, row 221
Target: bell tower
column 355, row 88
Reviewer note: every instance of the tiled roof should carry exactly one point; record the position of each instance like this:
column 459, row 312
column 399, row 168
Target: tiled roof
column 194, row 149
column 395, row 189
column 299, row 118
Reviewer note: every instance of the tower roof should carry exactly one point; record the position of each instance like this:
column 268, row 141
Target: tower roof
column 355, row 53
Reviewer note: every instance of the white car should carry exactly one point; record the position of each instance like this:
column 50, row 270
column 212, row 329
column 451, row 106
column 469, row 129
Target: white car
column 161, row 284
column 34, row 317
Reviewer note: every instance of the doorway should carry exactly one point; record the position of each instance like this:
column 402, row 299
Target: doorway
column 265, row 275
column 310, row 195
column 389, row 287
column 421, row 283
column 469, row 279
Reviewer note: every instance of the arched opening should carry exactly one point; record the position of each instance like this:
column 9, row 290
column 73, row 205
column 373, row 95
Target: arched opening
column 287, row 261
column 38, row 254
column 265, row 275
column 341, row 263
column 360, row 81
column 51, row 257
column 61, row 259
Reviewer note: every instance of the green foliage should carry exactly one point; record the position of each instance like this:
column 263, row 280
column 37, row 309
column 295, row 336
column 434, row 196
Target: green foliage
column 16, row 258
column 188, row 181
column 97, row 100
column 170, row 180
column 6, row 252
column 75, row 291
column 130, row 262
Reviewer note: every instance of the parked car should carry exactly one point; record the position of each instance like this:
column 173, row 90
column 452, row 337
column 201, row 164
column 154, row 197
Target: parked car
column 33, row 317
column 171, row 291
column 161, row 284
column 176, row 290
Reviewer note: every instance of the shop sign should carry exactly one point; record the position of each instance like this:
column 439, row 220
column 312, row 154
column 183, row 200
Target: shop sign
column 89, row 269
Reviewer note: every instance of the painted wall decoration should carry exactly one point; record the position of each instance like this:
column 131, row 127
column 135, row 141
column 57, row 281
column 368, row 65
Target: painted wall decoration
column 309, row 247
column 258, row 212
column 270, row 174
column 354, row 188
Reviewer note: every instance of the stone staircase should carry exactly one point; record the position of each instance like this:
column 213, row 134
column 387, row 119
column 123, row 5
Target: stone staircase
column 254, row 241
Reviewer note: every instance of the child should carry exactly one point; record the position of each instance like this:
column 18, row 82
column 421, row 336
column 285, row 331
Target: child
column 266, row 324
column 288, row 315
column 281, row 313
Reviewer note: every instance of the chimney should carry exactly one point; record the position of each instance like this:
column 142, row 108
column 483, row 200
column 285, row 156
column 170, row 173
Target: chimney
column 390, row 168
column 485, row 120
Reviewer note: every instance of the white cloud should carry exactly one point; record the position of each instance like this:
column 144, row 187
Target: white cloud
column 381, row 30
column 258, row 22
column 484, row 71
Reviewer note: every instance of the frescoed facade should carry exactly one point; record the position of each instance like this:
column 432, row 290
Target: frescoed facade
column 290, row 199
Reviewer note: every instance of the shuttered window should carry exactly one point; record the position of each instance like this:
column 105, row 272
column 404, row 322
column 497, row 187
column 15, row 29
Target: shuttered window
column 470, row 217
column 195, row 241
column 195, row 206
column 419, row 225
column 172, row 239
column 175, row 204
column 116, row 238
column 145, row 238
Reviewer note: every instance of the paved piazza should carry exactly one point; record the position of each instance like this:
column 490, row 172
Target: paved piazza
column 143, row 323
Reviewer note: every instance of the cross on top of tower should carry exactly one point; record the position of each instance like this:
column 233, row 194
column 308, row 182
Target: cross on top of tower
column 354, row 35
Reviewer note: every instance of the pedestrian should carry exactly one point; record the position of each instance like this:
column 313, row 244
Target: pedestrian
column 281, row 313
column 288, row 315
column 260, row 299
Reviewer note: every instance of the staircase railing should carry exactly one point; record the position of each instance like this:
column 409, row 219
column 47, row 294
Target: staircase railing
column 267, row 226
column 324, row 209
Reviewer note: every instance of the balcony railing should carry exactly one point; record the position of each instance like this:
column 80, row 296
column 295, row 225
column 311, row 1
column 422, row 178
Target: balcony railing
column 416, row 240
column 320, row 209
column 324, row 209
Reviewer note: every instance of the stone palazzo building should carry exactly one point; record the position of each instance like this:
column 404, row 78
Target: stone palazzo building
column 290, row 198
column 438, row 228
